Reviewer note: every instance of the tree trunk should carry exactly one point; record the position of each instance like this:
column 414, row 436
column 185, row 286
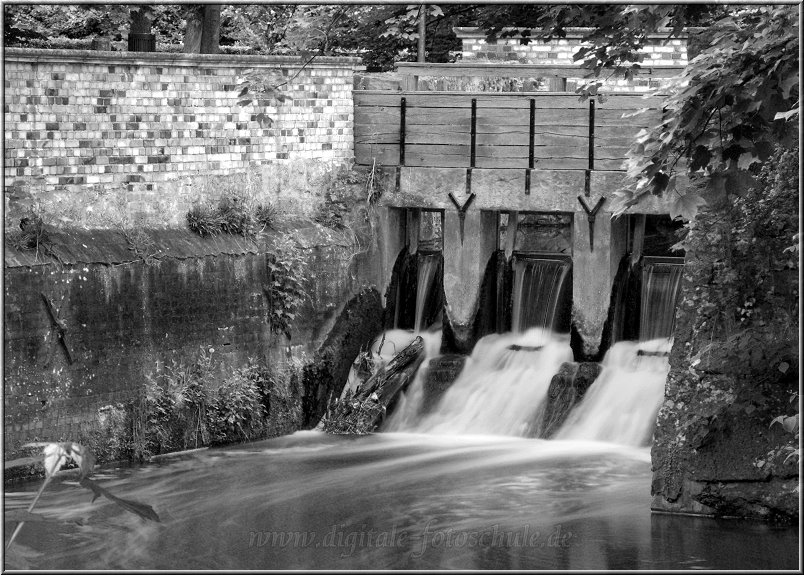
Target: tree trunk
column 140, row 22
column 384, row 382
column 192, row 34
column 210, row 37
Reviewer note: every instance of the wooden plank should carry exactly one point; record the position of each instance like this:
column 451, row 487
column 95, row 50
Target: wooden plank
column 552, row 163
column 438, row 117
column 437, row 156
column 615, row 118
column 634, row 102
column 446, row 138
column 376, row 139
column 376, row 133
column 385, row 154
column 519, row 137
column 502, row 151
column 464, row 99
column 540, row 140
column 376, row 115
column 610, row 152
column 621, row 131
column 489, row 118
column 506, row 100
column 602, row 120
column 491, row 162
column 612, row 165
column 544, row 129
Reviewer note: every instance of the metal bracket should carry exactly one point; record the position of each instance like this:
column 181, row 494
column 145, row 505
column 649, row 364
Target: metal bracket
column 590, row 216
column 462, row 209
column 402, row 130
column 59, row 325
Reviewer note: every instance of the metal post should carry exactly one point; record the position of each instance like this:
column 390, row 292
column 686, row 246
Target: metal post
column 402, row 132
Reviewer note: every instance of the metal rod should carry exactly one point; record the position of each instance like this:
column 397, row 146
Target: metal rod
column 402, row 132
column 473, row 133
column 591, row 134
column 587, row 183
column 532, row 136
column 469, row 181
column 527, row 182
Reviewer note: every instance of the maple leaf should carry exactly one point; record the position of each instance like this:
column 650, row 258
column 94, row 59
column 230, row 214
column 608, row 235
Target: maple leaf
column 686, row 207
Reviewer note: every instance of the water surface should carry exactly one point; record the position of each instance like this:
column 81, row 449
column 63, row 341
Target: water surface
column 388, row 501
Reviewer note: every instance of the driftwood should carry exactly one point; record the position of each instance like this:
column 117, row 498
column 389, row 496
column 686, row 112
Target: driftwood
column 363, row 411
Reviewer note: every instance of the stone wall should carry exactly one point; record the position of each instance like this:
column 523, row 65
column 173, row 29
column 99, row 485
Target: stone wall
column 716, row 450
column 100, row 137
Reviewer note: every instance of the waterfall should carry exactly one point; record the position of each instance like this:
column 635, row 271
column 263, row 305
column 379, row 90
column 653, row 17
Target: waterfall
column 501, row 389
column 538, row 286
column 426, row 281
column 622, row 403
column 661, row 278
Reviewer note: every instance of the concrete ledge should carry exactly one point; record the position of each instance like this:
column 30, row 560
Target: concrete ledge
column 172, row 59
column 504, row 189
column 103, row 246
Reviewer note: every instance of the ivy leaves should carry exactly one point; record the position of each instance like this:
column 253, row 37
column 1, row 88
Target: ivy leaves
column 727, row 110
column 285, row 290
column 262, row 89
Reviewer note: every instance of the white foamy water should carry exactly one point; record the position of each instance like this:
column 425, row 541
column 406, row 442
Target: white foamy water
column 500, row 390
column 428, row 272
column 621, row 405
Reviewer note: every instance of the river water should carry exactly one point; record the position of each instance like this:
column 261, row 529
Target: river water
column 388, row 501
column 434, row 492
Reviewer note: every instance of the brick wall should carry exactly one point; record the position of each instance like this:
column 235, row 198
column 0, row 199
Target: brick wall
column 559, row 52
column 89, row 132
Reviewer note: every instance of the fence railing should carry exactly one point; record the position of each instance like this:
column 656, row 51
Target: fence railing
column 537, row 130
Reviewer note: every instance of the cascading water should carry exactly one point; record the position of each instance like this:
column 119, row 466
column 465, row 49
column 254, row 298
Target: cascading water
column 499, row 392
column 661, row 278
column 429, row 265
column 622, row 403
column 538, row 286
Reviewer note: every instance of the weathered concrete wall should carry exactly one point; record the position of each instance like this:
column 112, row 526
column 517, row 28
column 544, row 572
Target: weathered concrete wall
column 468, row 245
column 125, row 318
column 100, row 137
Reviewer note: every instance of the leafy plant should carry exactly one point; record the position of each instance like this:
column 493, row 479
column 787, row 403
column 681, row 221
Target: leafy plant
column 233, row 214
column 286, row 288
column 189, row 406
column 709, row 127
column 238, row 405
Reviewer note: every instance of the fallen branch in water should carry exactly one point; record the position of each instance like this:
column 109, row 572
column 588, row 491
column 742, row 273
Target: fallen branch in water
column 56, row 455
column 363, row 411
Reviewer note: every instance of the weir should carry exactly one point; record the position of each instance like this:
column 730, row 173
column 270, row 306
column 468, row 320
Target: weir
column 476, row 157
column 538, row 290
column 661, row 278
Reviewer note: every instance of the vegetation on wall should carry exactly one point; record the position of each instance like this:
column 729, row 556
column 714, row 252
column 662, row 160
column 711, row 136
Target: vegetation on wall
column 187, row 406
column 232, row 214
column 286, row 288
